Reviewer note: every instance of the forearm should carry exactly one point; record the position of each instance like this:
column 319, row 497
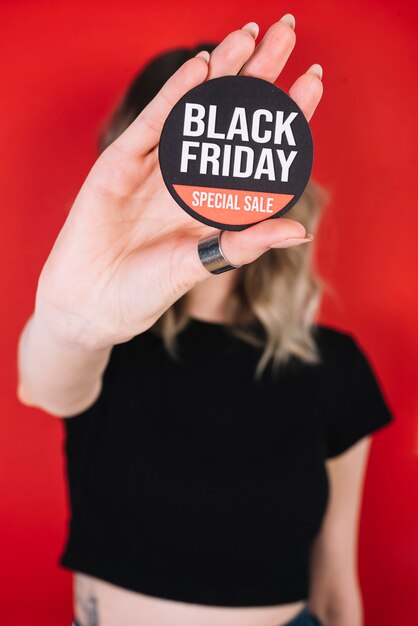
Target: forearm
column 58, row 376
column 338, row 606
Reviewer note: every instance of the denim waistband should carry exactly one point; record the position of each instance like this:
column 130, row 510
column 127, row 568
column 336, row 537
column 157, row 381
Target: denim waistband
column 304, row 618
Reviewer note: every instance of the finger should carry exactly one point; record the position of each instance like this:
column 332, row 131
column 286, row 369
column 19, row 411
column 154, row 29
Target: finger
column 245, row 246
column 231, row 54
column 145, row 131
column 240, row 247
column 272, row 52
column 307, row 90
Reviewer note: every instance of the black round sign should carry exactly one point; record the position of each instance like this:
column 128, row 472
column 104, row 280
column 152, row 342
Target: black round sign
column 235, row 151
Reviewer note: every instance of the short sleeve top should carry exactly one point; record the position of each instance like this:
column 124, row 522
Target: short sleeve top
column 360, row 408
column 189, row 479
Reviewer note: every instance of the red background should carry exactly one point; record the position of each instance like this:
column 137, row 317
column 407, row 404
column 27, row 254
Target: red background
column 63, row 67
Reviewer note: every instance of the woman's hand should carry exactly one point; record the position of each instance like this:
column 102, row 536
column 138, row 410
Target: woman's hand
column 127, row 251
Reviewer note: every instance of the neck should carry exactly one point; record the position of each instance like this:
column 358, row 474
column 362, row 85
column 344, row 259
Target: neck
column 213, row 299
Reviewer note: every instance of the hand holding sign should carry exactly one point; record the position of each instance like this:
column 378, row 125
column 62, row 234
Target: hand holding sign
column 127, row 251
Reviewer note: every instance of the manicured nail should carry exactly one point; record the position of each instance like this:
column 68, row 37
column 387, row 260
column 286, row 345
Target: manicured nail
column 288, row 19
column 315, row 69
column 203, row 54
column 292, row 241
column 251, row 28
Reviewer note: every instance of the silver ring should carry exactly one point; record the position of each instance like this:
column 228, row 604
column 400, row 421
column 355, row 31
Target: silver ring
column 212, row 256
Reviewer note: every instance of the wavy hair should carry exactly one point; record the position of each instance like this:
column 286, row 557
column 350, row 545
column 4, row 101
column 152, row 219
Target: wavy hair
column 281, row 291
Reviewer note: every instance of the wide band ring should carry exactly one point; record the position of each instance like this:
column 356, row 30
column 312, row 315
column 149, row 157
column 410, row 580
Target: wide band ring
column 212, row 256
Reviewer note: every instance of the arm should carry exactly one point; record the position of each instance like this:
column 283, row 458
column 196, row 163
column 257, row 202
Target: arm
column 126, row 253
column 335, row 591
column 57, row 375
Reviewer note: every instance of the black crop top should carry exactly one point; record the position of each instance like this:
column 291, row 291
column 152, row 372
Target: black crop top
column 191, row 481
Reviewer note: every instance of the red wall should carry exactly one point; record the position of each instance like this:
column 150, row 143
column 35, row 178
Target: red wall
column 63, row 66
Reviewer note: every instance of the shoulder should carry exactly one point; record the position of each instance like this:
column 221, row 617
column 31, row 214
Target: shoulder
column 334, row 343
column 340, row 350
column 346, row 366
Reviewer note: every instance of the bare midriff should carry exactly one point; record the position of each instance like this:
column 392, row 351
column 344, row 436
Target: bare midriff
column 99, row 603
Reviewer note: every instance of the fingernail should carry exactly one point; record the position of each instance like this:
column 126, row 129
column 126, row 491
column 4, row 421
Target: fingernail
column 203, row 54
column 292, row 241
column 288, row 19
column 315, row 69
column 251, row 28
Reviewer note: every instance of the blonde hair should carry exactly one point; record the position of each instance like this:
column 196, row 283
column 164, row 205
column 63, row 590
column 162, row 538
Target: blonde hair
column 281, row 290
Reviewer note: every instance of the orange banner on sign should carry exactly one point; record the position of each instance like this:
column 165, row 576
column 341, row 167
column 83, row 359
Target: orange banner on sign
column 232, row 206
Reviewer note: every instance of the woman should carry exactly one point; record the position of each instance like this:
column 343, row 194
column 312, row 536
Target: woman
column 217, row 436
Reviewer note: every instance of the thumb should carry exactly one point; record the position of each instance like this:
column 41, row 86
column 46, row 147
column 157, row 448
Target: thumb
column 243, row 247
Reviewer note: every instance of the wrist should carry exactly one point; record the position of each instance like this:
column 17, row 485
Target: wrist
column 55, row 374
column 67, row 330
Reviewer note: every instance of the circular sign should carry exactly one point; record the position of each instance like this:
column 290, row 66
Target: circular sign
column 235, row 151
